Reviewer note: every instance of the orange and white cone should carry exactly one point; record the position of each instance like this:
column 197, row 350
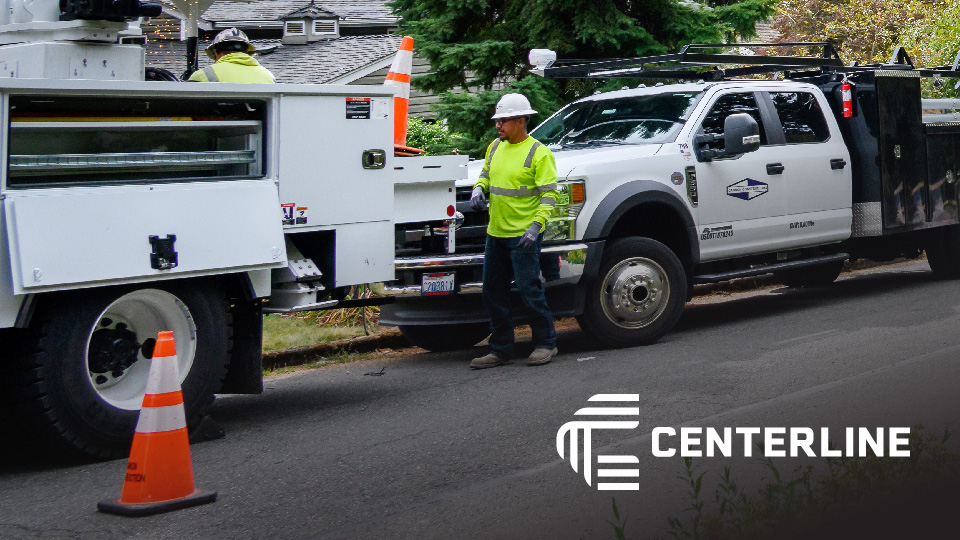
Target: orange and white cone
column 159, row 473
column 399, row 76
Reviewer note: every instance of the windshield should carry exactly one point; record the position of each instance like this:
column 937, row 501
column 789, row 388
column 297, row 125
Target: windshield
column 652, row 118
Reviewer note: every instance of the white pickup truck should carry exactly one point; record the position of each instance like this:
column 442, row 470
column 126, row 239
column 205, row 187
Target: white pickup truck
column 672, row 185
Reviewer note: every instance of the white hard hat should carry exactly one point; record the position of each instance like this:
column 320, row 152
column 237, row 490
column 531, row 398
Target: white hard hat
column 228, row 35
column 511, row 105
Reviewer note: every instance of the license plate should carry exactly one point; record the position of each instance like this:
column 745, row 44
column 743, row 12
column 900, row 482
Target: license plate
column 437, row 284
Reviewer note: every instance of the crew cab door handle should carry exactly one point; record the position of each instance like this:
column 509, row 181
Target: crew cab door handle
column 837, row 164
column 774, row 168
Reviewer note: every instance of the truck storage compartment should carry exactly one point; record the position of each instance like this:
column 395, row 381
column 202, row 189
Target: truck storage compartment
column 943, row 168
column 59, row 141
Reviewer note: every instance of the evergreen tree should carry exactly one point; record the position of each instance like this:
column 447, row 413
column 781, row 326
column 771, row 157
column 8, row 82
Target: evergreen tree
column 482, row 45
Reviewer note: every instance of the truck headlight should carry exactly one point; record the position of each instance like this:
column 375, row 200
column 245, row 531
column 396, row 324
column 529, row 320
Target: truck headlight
column 562, row 223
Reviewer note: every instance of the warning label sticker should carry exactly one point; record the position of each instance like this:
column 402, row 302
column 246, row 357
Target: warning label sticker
column 358, row 108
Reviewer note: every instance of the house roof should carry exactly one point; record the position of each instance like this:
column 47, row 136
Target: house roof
column 274, row 10
column 318, row 62
column 311, row 11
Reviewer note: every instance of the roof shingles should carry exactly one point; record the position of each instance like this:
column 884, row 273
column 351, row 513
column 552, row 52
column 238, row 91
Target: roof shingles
column 317, row 62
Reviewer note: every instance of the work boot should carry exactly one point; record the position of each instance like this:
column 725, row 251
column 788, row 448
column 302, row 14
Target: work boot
column 488, row 361
column 540, row 357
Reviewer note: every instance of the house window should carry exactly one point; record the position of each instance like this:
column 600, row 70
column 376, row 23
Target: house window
column 324, row 27
column 294, row 28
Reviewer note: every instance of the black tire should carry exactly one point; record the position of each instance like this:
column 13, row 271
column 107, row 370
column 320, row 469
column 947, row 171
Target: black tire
column 638, row 295
column 68, row 407
column 446, row 337
column 820, row 275
column 943, row 252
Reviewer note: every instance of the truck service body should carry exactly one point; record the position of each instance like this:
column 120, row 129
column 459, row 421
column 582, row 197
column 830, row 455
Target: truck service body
column 714, row 179
column 132, row 207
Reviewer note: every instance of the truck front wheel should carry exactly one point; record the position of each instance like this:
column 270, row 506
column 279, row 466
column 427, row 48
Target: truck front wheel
column 446, row 337
column 79, row 384
column 638, row 295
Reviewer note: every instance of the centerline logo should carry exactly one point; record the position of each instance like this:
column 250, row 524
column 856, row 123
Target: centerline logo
column 620, row 419
column 693, row 441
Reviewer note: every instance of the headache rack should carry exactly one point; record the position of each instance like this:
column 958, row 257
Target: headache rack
column 699, row 61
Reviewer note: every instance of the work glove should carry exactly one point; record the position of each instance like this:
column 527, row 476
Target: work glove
column 529, row 237
column 478, row 201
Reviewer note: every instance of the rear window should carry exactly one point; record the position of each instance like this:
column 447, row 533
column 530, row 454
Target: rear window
column 801, row 117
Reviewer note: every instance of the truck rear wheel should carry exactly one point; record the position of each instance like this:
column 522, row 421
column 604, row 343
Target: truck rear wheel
column 446, row 337
column 943, row 252
column 78, row 387
column 820, row 275
column 638, row 295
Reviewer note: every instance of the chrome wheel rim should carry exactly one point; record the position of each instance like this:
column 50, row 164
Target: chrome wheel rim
column 634, row 293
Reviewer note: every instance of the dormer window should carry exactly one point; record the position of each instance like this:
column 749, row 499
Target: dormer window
column 294, row 28
column 308, row 24
column 324, row 27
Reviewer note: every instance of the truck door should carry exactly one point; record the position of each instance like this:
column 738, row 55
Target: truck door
column 816, row 169
column 742, row 204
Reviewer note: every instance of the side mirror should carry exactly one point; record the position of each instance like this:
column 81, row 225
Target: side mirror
column 741, row 134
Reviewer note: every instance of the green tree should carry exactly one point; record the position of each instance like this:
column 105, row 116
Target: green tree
column 434, row 137
column 482, row 45
column 863, row 31
column 868, row 32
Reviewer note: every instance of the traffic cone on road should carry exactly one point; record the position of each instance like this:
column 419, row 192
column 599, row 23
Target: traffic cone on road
column 159, row 472
column 399, row 76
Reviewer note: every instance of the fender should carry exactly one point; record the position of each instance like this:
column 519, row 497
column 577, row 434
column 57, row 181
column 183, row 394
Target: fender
column 632, row 194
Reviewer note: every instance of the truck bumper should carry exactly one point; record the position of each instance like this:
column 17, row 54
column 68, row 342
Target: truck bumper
column 466, row 304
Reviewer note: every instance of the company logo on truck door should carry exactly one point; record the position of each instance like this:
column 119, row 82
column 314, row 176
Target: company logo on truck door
column 747, row 189
column 716, row 232
column 802, row 224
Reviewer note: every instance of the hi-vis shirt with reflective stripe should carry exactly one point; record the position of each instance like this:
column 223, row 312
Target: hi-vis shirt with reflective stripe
column 522, row 182
column 236, row 67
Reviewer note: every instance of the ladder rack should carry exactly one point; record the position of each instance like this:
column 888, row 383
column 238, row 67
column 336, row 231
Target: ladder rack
column 697, row 61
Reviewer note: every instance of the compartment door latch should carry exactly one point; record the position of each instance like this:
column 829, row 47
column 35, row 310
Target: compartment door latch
column 163, row 256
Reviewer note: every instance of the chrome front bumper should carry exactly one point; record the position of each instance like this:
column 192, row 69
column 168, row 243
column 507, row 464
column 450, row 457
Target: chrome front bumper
column 571, row 256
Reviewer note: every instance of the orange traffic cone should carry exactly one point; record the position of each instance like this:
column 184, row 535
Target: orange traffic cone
column 159, row 473
column 399, row 76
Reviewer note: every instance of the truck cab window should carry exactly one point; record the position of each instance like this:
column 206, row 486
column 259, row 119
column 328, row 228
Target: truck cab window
column 801, row 117
column 726, row 105
column 640, row 119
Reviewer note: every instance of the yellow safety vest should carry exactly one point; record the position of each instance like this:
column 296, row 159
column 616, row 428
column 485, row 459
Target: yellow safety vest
column 522, row 182
column 236, row 67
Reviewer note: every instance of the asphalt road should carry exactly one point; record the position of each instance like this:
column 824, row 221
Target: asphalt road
column 431, row 449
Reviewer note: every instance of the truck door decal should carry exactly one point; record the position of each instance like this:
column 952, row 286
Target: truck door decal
column 747, row 189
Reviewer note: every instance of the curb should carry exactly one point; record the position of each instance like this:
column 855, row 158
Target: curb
column 388, row 338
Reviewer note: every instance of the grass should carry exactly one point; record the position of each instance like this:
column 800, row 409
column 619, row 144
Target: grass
column 281, row 332
column 320, row 361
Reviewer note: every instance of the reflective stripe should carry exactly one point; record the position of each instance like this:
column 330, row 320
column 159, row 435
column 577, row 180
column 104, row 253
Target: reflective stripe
column 522, row 191
column 485, row 174
column 533, row 150
column 549, row 201
column 157, row 419
column 164, row 376
column 493, row 149
column 399, row 77
column 163, row 400
column 547, row 187
column 211, row 74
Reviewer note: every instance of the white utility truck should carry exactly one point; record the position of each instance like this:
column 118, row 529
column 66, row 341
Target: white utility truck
column 131, row 207
column 666, row 186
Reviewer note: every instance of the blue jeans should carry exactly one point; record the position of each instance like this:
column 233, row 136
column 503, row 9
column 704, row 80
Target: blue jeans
column 504, row 261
